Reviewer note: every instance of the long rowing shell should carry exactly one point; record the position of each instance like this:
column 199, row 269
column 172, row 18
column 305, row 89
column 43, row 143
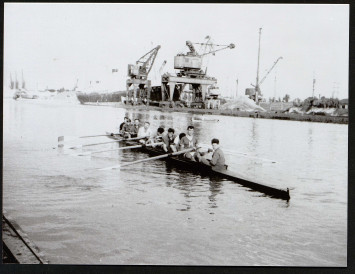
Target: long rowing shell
column 208, row 170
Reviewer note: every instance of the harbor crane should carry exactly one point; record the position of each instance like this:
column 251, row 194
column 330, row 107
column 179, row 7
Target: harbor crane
column 138, row 77
column 190, row 63
column 255, row 92
column 162, row 67
column 191, row 74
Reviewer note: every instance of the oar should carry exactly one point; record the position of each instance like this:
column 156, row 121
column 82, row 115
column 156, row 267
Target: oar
column 118, row 140
column 243, row 154
column 115, row 141
column 251, row 157
column 120, row 148
column 70, row 138
column 87, row 145
column 149, row 158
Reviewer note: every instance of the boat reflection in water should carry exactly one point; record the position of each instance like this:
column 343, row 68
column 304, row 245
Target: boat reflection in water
column 180, row 179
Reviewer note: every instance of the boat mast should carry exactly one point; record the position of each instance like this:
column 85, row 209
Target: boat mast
column 314, row 83
column 257, row 72
column 16, row 82
column 12, row 84
column 23, row 81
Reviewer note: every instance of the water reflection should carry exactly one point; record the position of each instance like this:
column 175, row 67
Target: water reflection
column 254, row 138
column 310, row 136
column 193, row 184
column 215, row 188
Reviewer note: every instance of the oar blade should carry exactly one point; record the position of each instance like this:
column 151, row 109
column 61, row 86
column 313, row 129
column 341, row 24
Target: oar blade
column 76, row 147
column 63, row 139
column 110, row 167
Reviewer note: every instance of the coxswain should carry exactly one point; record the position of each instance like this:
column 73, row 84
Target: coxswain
column 145, row 132
column 168, row 141
column 189, row 141
column 218, row 161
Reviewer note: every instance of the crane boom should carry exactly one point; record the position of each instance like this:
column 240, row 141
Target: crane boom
column 147, row 60
column 231, row 46
column 162, row 66
column 191, row 48
column 262, row 80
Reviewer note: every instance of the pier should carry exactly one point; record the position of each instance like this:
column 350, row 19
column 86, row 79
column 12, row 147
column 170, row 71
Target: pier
column 17, row 248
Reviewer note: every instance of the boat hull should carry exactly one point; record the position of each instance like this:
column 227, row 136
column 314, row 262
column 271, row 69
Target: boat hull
column 184, row 163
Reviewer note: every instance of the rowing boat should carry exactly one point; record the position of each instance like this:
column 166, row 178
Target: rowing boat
column 182, row 162
column 203, row 118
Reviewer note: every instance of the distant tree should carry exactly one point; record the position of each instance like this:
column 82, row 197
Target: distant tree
column 315, row 102
column 307, row 103
column 286, row 98
column 297, row 102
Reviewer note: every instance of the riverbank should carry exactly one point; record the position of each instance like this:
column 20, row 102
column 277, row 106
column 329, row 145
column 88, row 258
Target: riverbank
column 238, row 113
column 17, row 248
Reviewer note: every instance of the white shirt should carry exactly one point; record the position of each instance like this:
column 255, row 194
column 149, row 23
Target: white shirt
column 177, row 140
column 142, row 132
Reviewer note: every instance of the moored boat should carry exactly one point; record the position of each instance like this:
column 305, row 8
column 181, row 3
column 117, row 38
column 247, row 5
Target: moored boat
column 204, row 118
column 208, row 170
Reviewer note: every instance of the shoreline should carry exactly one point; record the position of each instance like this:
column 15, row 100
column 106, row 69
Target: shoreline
column 17, row 247
column 237, row 113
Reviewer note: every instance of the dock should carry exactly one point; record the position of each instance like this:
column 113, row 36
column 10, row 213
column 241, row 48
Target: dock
column 17, row 247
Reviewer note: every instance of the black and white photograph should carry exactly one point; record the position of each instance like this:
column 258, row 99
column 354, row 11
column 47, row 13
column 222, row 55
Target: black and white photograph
column 175, row 134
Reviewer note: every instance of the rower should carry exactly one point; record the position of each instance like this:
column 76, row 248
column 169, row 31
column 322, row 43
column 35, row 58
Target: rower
column 189, row 141
column 218, row 161
column 145, row 131
column 125, row 120
column 168, row 139
column 177, row 140
column 135, row 128
column 158, row 137
column 127, row 128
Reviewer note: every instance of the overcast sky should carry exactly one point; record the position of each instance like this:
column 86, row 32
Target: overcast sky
column 55, row 44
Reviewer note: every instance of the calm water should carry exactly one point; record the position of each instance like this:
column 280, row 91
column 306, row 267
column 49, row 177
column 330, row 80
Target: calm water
column 153, row 213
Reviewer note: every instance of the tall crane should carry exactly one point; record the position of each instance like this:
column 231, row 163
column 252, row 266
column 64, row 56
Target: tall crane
column 263, row 79
column 162, row 67
column 138, row 77
column 255, row 92
column 191, row 82
column 143, row 65
column 190, row 63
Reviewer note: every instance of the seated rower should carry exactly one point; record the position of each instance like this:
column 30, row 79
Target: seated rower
column 168, row 139
column 189, row 141
column 217, row 161
column 125, row 121
column 145, row 132
column 158, row 137
column 126, row 129
column 177, row 140
column 134, row 129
